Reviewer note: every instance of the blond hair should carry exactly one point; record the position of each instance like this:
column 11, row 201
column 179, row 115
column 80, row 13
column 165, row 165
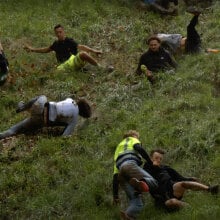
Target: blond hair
column 131, row 133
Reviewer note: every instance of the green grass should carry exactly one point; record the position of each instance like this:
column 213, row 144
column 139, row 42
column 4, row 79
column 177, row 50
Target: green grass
column 45, row 176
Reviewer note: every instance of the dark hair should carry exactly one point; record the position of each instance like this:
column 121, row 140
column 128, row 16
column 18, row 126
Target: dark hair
column 58, row 26
column 160, row 151
column 84, row 108
column 154, row 37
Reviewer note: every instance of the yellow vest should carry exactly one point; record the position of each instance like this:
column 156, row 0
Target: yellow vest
column 124, row 147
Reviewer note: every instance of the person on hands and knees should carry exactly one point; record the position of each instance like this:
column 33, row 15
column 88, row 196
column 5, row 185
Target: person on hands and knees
column 49, row 114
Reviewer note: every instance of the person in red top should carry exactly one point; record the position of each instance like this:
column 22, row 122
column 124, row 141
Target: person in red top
column 69, row 54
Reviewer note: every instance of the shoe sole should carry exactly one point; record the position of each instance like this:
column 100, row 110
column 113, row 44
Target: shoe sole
column 139, row 185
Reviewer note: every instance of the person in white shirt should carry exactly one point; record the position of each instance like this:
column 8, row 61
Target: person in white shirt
column 43, row 113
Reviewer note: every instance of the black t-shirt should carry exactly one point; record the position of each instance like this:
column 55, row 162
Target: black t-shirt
column 64, row 49
column 156, row 61
column 166, row 177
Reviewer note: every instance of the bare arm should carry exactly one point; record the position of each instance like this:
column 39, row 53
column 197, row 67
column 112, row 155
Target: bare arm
column 88, row 49
column 37, row 50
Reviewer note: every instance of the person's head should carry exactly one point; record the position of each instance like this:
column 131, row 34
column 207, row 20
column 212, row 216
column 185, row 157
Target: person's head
column 84, row 108
column 131, row 133
column 59, row 32
column 157, row 156
column 154, row 43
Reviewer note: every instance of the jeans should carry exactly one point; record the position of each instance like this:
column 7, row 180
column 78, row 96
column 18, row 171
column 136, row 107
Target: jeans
column 128, row 170
column 34, row 122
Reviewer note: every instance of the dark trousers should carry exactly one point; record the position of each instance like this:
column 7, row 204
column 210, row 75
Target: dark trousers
column 193, row 41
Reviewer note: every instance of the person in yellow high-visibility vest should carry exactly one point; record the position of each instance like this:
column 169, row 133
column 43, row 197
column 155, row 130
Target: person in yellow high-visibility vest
column 128, row 173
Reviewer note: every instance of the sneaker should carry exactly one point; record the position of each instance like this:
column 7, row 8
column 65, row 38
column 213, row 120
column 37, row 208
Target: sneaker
column 110, row 68
column 193, row 10
column 21, row 107
column 124, row 216
column 213, row 189
column 140, row 186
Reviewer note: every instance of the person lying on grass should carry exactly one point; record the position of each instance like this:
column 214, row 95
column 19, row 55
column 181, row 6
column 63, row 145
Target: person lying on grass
column 69, row 54
column 155, row 59
column 191, row 44
column 49, row 114
column 171, row 185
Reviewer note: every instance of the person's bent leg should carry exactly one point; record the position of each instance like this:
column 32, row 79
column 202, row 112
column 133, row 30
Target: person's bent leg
column 193, row 41
column 25, row 106
column 174, row 203
column 86, row 57
column 180, row 187
column 132, row 170
column 19, row 128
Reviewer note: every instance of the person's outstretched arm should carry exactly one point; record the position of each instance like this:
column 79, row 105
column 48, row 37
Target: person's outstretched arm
column 88, row 49
column 37, row 50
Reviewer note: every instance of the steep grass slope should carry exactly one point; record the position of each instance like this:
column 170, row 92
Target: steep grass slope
column 45, row 176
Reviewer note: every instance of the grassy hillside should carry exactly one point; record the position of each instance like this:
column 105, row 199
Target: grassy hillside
column 45, row 176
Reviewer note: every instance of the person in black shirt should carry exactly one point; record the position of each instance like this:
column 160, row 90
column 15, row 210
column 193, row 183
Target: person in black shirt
column 66, row 50
column 3, row 66
column 171, row 185
column 155, row 59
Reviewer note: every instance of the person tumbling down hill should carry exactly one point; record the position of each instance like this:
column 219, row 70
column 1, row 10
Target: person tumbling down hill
column 191, row 44
column 69, row 54
column 3, row 66
column 155, row 59
column 49, row 114
column 161, row 6
column 171, row 185
column 128, row 173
